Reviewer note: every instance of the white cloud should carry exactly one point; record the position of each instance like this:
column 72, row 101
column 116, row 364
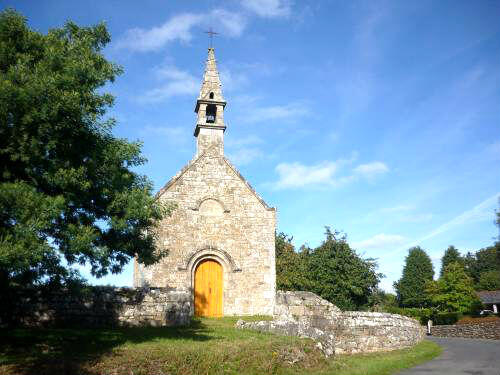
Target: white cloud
column 292, row 175
column 232, row 80
column 244, row 150
column 482, row 212
column 178, row 82
column 399, row 208
column 380, row 241
column 245, row 155
column 325, row 174
column 371, row 170
column 243, row 141
column 176, row 28
column 268, row 8
column 229, row 23
column 180, row 28
column 417, row 218
column 290, row 112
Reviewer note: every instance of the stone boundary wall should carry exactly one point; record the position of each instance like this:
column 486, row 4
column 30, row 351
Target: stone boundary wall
column 489, row 330
column 304, row 314
column 365, row 332
column 101, row 306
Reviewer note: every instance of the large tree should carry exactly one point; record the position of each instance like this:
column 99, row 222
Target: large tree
column 453, row 291
column 340, row 275
column 481, row 261
column 451, row 255
column 417, row 271
column 332, row 270
column 291, row 266
column 68, row 190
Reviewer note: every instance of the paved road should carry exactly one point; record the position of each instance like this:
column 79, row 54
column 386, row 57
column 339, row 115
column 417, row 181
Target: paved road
column 462, row 356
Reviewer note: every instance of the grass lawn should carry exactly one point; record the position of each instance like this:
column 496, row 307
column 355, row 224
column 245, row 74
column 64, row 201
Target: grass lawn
column 209, row 346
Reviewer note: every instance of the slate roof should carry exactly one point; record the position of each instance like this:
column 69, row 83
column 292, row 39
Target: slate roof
column 489, row 296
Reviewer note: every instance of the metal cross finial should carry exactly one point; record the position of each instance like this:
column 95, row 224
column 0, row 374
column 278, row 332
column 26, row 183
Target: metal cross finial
column 211, row 34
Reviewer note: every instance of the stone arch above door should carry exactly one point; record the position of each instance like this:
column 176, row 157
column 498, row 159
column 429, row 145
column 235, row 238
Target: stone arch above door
column 209, row 252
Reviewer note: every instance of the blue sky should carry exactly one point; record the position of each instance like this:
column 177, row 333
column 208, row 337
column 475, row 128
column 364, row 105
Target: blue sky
column 377, row 118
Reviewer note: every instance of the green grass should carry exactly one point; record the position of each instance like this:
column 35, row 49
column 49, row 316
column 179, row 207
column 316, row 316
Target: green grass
column 208, row 346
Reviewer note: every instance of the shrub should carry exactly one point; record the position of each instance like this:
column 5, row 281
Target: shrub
column 446, row 318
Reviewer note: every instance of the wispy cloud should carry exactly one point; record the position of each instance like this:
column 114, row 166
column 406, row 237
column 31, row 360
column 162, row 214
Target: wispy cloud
column 289, row 112
column 481, row 212
column 324, row 174
column 400, row 213
column 176, row 28
column 268, row 8
column 174, row 82
column 231, row 24
column 398, row 208
column 293, row 175
column 180, row 28
column 371, row 170
column 416, row 218
column 245, row 150
column 232, row 80
column 380, row 241
column 245, row 155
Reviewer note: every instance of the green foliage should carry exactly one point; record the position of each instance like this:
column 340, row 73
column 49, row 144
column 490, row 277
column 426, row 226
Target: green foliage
column 453, row 292
column 446, row 318
column 340, row 275
column 417, row 271
column 68, row 193
column 291, row 266
column 333, row 271
column 450, row 255
column 489, row 280
column 382, row 301
column 481, row 261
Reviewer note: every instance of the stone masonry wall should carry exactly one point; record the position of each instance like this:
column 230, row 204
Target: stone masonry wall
column 101, row 306
column 304, row 314
column 489, row 330
column 364, row 332
column 218, row 216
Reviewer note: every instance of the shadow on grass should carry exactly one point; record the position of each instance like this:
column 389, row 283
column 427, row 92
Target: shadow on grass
column 71, row 351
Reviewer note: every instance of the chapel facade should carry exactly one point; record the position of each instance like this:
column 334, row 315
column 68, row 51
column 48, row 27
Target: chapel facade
column 220, row 236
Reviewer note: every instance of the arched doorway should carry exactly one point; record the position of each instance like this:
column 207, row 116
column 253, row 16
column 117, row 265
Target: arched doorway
column 208, row 289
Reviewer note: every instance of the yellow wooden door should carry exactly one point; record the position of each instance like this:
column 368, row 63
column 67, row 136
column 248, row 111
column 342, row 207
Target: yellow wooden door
column 208, row 289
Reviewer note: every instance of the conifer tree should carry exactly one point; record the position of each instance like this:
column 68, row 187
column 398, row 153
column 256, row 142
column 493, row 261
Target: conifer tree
column 450, row 255
column 417, row 271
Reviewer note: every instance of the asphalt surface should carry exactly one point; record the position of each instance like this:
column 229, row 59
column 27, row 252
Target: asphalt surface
column 462, row 356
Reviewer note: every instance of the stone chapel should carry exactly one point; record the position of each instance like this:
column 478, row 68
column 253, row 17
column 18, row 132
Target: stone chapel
column 220, row 237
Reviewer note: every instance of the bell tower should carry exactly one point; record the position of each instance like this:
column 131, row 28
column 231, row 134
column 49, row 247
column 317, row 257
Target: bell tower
column 210, row 106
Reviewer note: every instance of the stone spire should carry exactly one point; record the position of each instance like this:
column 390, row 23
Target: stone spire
column 210, row 106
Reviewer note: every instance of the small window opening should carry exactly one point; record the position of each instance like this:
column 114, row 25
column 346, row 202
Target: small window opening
column 211, row 95
column 211, row 113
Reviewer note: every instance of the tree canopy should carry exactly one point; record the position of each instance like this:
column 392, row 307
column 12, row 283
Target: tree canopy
column 68, row 190
column 451, row 255
column 417, row 271
column 453, row 291
column 332, row 270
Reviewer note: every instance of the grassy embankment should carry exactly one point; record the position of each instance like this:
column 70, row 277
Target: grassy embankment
column 209, row 346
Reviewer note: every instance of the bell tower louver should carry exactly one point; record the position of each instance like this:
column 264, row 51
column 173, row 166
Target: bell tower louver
column 210, row 106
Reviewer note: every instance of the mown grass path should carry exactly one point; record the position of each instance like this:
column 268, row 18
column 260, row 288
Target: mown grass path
column 208, row 346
